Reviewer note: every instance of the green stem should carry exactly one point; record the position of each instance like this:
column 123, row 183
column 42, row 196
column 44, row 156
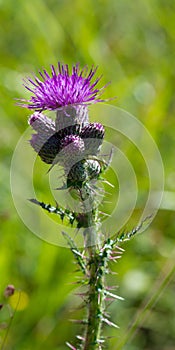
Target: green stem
column 95, row 300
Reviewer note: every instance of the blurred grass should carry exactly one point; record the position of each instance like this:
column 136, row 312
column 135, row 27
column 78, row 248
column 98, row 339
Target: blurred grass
column 133, row 43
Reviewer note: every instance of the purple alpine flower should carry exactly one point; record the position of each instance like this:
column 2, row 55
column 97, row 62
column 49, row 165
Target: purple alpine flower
column 61, row 88
column 70, row 137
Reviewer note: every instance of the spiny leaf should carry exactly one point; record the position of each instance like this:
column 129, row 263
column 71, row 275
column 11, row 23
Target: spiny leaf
column 79, row 257
column 71, row 216
column 125, row 236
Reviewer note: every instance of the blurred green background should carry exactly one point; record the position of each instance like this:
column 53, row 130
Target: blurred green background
column 133, row 43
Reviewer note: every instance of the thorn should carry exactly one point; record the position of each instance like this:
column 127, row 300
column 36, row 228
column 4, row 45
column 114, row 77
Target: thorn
column 109, row 323
column 80, row 337
column 106, row 314
column 114, row 258
column 105, row 214
column 100, row 341
column 119, row 253
column 71, row 346
column 108, row 183
column 114, row 296
column 122, row 250
column 78, row 253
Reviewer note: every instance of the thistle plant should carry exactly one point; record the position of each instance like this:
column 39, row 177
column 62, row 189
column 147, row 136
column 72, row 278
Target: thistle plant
column 73, row 142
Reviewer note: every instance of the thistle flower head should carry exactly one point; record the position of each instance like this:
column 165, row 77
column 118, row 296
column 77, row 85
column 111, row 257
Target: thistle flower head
column 66, row 145
column 62, row 88
column 92, row 134
column 70, row 139
column 72, row 149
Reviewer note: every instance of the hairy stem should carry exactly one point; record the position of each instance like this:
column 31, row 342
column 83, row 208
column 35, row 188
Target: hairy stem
column 95, row 299
column 95, row 302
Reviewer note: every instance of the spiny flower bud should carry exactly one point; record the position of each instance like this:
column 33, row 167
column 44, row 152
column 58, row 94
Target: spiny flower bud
column 72, row 147
column 49, row 150
column 40, row 123
column 45, row 142
column 83, row 171
column 93, row 134
column 93, row 168
column 74, row 129
column 77, row 174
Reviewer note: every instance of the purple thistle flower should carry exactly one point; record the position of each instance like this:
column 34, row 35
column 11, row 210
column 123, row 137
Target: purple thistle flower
column 70, row 137
column 61, row 88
